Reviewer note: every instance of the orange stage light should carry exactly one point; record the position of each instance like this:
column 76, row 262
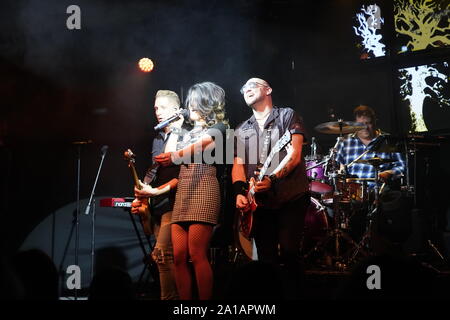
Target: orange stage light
column 146, row 65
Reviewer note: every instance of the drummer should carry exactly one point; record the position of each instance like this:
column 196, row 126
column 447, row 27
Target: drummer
column 364, row 140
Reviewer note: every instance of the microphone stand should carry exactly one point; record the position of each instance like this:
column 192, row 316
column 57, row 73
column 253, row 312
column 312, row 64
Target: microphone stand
column 76, row 218
column 88, row 208
column 77, row 214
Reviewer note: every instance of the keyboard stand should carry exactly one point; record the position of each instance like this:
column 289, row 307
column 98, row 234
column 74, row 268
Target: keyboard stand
column 149, row 264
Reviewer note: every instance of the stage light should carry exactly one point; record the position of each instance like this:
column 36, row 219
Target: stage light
column 146, row 65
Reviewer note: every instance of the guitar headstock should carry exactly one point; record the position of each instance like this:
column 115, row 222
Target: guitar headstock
column 129, row 156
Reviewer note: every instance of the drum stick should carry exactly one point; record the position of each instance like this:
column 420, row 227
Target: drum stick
column 382, row 187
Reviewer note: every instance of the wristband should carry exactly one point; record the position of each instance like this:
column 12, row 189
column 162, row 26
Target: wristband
column 273, row 178
column 240, row 187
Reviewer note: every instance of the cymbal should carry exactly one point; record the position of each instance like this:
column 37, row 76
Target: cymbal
column 338, row 127
column 386, row 144
column 375, row 161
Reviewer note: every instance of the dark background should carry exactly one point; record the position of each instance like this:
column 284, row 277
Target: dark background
column 59, row 86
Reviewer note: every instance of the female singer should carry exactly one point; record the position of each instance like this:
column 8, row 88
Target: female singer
column 197, row 201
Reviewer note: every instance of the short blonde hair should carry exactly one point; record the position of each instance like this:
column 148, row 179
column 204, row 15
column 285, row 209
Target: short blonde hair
column 168, row 94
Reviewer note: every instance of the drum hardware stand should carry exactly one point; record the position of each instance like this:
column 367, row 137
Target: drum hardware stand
column 332, row 158
column 366, row 238
column 435, row 250
column 411, row 188
column 336, row 234
column 365, row 241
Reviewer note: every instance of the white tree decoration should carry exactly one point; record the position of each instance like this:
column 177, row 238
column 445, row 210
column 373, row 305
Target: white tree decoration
column 369, row 22
column 414, row 89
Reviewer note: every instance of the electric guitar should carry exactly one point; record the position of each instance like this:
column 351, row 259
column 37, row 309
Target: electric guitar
column 144, row 210
column 246, row 217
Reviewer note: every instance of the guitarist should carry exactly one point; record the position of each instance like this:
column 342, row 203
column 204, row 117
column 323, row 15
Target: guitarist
column 160, row 185
column 282, row 195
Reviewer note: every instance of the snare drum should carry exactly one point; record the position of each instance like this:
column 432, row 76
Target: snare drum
column 352, row 191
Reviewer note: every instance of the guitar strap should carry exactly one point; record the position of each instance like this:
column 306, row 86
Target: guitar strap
column 151, row 173
column 266, row 145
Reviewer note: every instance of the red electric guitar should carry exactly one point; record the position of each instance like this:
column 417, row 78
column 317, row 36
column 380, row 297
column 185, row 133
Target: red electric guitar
column 246, row 217
column 144, row 210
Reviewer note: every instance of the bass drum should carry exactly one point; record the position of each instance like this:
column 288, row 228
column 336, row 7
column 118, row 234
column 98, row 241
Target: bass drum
column 316, row 224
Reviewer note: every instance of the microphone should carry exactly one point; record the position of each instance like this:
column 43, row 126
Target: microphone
column 104, row 149
column 176, row 116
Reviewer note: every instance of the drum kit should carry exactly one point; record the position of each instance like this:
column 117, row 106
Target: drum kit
column 332, row 239
column 335, row 198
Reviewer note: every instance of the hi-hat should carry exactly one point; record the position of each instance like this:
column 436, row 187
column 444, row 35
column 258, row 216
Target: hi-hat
column 387, row 143
column 340, row 127
column 375, row 161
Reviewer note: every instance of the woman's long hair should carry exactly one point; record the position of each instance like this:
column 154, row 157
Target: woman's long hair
column 208, row 99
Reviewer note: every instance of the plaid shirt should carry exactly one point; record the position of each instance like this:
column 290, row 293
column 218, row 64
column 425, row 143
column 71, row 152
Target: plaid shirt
column 352, row 147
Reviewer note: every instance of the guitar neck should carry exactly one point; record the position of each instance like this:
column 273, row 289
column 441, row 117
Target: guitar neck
column 135, row 176
column 281, row 143
column 263, row 170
